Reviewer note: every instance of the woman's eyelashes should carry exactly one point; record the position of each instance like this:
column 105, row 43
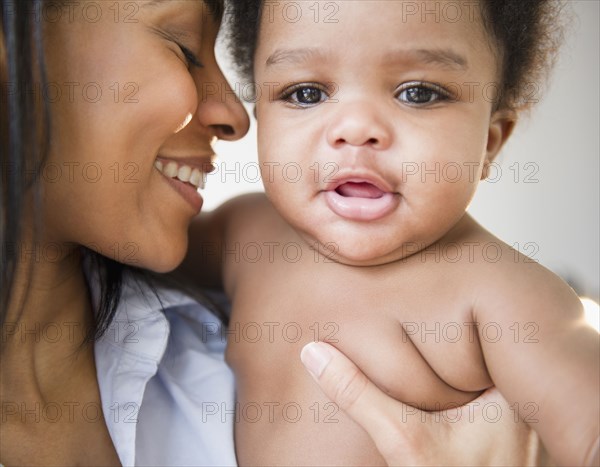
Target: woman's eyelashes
column 190, row 57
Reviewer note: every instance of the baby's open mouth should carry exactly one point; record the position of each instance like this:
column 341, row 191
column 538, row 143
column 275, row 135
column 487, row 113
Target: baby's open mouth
column 359, row 190
column 361, row 200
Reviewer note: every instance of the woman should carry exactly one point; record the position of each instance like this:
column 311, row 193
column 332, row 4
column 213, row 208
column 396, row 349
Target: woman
column 109, row 111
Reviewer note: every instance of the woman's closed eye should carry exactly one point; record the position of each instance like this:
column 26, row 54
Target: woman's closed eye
column 190, row 57
column 418, row 93
column 304, row 94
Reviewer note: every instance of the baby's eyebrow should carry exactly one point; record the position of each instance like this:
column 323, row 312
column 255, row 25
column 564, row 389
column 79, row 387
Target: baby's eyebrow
column 294, row 56
column 444, row 58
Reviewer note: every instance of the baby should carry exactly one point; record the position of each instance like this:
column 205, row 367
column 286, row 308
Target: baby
column 376, row 122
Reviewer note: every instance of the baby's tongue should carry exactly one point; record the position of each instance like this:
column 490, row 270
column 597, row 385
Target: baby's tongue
column 359, row 190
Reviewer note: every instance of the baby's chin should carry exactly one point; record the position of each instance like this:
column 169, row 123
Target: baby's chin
column 364, row 260
column 354, row 251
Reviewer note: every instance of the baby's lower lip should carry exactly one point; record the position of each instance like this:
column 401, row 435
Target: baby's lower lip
column 361, row 204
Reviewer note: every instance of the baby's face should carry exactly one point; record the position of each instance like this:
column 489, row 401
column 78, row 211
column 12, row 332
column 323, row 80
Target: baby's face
column 375, row 121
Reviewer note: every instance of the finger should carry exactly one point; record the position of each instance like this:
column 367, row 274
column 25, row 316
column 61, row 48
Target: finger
column 345, row 384
column 405, row 435
column 388, row 422
column 507, row 441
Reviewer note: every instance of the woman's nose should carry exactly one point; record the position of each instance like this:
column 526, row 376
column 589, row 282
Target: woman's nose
column 358, row 124
column 220, row 109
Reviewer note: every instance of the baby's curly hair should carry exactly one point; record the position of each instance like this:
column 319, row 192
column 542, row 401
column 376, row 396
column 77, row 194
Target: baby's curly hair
column 528, row 34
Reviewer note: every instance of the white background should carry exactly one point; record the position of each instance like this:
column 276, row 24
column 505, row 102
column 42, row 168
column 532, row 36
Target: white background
column 555, row 219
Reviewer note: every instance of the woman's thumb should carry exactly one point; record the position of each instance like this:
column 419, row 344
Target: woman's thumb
column 349, row 388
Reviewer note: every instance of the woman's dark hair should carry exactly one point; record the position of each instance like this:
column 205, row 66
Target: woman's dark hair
column 528, row 34
column 24, row 141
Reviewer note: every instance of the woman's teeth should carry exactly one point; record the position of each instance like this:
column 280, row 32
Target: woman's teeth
column 184, row 173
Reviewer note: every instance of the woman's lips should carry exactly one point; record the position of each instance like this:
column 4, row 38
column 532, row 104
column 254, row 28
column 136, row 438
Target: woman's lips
column 361, row 201
column 185, row 179
column 187, row 191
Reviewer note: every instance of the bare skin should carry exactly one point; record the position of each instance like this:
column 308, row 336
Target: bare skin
column 427, row 351
column 51, row 404
column 47, row 380
column 429, row 305
column 461, row 436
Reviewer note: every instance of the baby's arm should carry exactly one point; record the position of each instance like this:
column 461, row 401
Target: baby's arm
column 544, row 359
column 202, row 265
column 208, row 235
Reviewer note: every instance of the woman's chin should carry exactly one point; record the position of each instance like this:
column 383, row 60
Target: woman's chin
column 160, row 260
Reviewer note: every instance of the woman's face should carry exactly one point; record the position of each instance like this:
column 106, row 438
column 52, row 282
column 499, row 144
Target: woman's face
column 137, row 98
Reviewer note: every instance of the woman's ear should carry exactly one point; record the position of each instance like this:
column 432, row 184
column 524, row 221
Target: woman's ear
column 502, row 124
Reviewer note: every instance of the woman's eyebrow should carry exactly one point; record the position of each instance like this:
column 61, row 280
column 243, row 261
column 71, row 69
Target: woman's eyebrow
column 153, row 3
column 176, row 35
column 215, row 7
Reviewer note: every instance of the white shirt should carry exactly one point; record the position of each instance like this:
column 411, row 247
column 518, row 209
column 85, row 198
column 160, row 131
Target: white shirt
column 167, row 394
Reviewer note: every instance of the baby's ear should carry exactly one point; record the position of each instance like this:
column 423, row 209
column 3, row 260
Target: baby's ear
column 501, row 127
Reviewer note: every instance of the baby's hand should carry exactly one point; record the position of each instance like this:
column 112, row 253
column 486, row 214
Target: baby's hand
column 483, row 432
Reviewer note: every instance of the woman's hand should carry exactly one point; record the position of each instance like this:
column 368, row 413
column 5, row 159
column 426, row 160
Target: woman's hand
column 483, row 432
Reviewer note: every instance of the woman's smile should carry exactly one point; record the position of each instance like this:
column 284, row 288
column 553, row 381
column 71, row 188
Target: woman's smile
column 186, row 179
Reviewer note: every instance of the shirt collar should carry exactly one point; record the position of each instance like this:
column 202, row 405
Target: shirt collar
column 129, row 353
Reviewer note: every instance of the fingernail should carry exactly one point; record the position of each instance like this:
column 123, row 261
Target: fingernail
column 315, row 358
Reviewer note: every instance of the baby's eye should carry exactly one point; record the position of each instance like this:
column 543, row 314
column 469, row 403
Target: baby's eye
column 304, row 95
column 421, row 94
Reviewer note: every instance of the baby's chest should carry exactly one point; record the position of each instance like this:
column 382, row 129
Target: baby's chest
column 415, row 344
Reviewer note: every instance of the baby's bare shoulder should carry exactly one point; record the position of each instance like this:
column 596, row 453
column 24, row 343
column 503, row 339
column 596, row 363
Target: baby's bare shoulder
column 252, row 218
column 511, row 283
column 254, row 230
